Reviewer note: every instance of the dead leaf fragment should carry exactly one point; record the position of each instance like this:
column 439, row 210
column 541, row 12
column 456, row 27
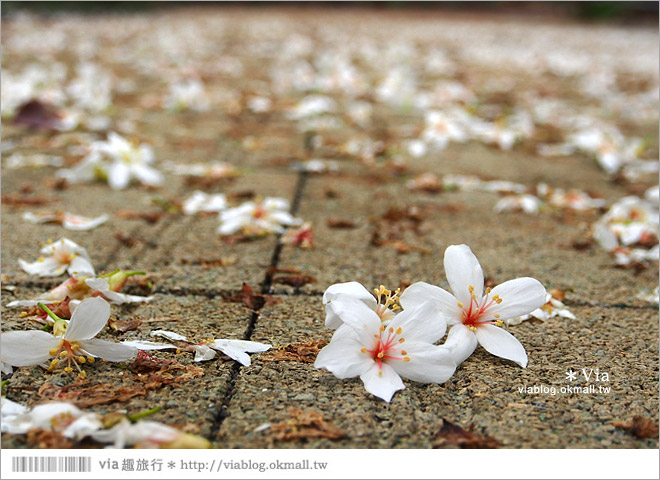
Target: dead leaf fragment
column 100, row 394
column 295, row 352
column 451, row 435
column 296, row 281
column 252, row 300
column 640, row 427
column 340, row 223
column 304, row 425
column 124, row 325
column 17, row 200
column 38, row 115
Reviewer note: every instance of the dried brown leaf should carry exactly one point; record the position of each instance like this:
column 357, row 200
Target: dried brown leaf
column 100, row 394
column 208, row 263
column 640, row 427
column 581, row 244
column 124, row 325
column 252, row 300
column 304, row 425
column 451, row 435
column 17, row 200
column 296, row 281
column 149, row 217
column 340, row 223
column 295, row 352
column 38, row 115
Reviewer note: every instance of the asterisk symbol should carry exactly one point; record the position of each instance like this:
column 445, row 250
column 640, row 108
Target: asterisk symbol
column 171, row 464
column 571, row 375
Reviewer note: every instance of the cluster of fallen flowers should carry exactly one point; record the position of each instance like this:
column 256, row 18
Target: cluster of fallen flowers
column 251, row 219
column 381, row 340
column 116, row 161
column 117, row 429
column 85, row 299
column 629, row 229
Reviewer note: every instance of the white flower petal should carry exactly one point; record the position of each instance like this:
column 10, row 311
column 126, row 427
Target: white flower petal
column 27, row 347
column 49, row 267
column 463, row 270
column 40, row 416
column 428, row 363
column 203, row 353
column 502, row 344
column 382, row 385
column 357, row 315
column 89, row 318
column 78, row 223
column 344, row 358
column 81, row 266
column 83, row 426
column 462, row 342
column 119, row 175
column 519, row 296
column 114, row 352
column 236, row 349
column 169, row 335
column 147, row 345
column 147, row 175
column 420, row 292
column 423, row 322
column 353, row 289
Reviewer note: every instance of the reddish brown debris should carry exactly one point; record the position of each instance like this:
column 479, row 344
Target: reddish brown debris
column 451, row 435
column 306, row 424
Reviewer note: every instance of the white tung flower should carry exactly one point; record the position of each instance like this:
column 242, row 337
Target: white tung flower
column 258, row 218
column 236, row 349
column 381, row 354
column 74, row 342
column 59, row 257
column 67, row 220
column 128, row 161
column 62, row 417
column 385, row 305
column 475, row 316
column 203, row 202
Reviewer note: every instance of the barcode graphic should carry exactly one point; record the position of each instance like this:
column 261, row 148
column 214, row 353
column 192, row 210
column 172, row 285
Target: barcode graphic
column 51, row 464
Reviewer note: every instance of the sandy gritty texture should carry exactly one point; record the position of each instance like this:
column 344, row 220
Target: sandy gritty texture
column 241, row 407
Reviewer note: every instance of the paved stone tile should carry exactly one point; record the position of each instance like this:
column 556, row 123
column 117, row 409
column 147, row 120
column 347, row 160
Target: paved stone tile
column 484, row 390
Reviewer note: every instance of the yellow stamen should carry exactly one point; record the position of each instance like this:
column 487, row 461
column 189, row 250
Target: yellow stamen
column 82, row 374
column 53, row 364
column 63, row 354
column 82, row 359
column 403, row 352
column 363, row 349
column 68, row 369
column 471, row 288
column 496, row 315
column 380, row 373
column 52, row 352
column 91, row 359
column 399, row 330
column 460, row 305
column 381, row 355
column 382, row 328
column 391, row 330
column 406, row 359
column 401, row 340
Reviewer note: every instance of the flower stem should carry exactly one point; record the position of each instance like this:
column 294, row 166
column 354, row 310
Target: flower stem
column 146, row 413
column 49, row 312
